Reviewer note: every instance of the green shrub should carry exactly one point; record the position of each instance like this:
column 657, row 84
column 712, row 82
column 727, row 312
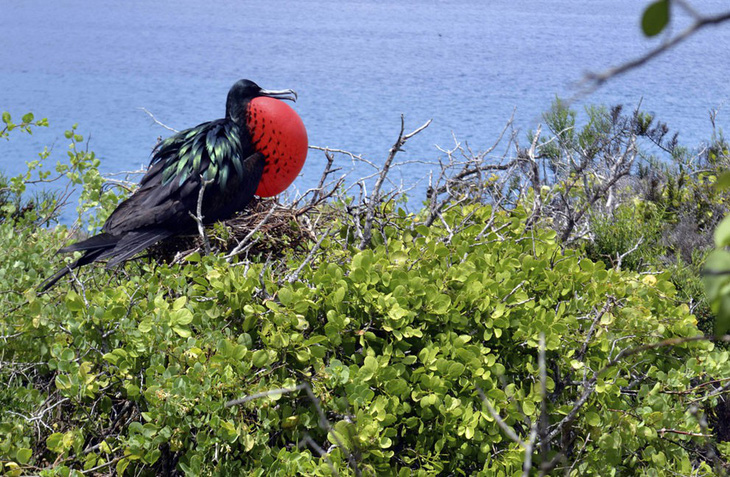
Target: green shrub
column 142, row 371
column 395, row 341
column 630, row 237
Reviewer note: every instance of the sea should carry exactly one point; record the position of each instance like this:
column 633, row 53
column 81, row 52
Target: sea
column 357, row 65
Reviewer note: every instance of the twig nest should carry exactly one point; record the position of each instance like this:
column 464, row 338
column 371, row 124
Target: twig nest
column 281, row 230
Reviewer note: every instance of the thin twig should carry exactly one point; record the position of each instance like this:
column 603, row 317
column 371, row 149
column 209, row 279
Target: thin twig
column 199, row 217
column 272, row 392
column 322, row 453
column 624, row 353
column 610, row 300
column 158, row 122
column 375, row 198
column 294, row 276
column 664, row 430
column 323, row 421
column 500, row 422
column 537, row 422
column 242, row 244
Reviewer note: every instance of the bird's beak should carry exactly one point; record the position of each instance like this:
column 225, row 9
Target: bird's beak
column 284, row 94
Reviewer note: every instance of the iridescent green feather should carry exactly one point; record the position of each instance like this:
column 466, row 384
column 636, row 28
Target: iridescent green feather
column 195, row 163
column 223, row 177
column 212, row 172
column 210, row 141
column 233, row 143
column 211, row 149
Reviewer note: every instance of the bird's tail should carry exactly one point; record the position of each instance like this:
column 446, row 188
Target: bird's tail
column 133, row 243
column 88, row 257
column 93, row 246
column 103, row 241
column 115, row 248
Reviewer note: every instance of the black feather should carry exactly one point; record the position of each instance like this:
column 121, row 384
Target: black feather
column 89, row 257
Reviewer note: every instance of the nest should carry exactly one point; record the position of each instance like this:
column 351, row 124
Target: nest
column 274, row 233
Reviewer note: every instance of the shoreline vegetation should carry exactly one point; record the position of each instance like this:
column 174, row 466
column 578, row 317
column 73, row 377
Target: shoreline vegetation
column 543, row 311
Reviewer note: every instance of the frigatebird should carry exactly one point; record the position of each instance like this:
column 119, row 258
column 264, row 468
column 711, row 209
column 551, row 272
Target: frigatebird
column 257, row 149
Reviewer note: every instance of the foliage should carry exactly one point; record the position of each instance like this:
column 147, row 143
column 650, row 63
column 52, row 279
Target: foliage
column 80, row 170
column 654, row 211
column 630, row 237
column 142, row 371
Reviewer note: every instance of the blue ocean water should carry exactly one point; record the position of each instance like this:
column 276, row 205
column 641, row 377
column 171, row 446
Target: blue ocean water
column 356, row 64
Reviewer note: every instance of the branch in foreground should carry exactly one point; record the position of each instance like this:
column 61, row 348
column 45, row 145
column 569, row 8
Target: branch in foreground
column 294, row 276
column 593, row 81
column 240, row 247
column 624, row 353
column 323, row 421
column 159, row 122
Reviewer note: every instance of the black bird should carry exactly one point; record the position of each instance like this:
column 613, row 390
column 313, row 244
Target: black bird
column 257, row 149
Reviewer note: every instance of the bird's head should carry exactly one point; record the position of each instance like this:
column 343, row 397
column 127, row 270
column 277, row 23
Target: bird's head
column 245, row 90
column 275, row 130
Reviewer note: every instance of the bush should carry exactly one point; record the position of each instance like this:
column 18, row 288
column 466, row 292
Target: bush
column 433, row 350
column 395, row 341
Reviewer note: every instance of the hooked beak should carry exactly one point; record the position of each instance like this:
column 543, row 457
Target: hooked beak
column 284, row 94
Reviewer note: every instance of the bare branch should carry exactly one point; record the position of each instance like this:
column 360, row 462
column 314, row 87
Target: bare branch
column 609, row 303
column 323, row 421
column 620, row 257
column 624, row 353
column 593, row 81
column 322, row 453
column 294, row 276
column 243, row 243
column 541, row 420
column 375, row 198
column 272, row 392
column 500, row 422
column 157, row 121
column 664, row 430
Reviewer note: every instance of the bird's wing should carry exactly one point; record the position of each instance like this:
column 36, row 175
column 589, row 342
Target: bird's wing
column 217, row 151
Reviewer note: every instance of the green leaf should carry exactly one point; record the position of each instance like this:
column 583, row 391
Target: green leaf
column 6, row 117
column 285, row 296
column 23, row 455
column 181, row 331
column 723, row 181
column 179, row 302
column 145, row 326
column 423, row 230
column 181, row 317
column 655, row 18
column 54, row 442
column 74, row 302
column 722, row 233
column 593, row 419
column 260, row 358
column 717, row 284
column 122, row 466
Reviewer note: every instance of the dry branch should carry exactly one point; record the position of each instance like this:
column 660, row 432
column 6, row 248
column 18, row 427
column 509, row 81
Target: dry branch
column 375, row 199
column 593, row 81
